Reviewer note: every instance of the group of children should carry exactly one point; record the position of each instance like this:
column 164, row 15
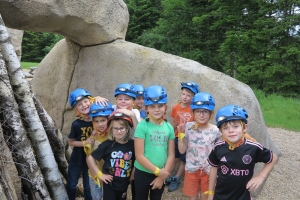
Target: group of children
column 131, row 142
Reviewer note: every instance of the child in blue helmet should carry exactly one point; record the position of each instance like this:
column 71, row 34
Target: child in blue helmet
column 233, row 159
column 139, row 101
column 99, row 114
column 181, row 114
column 118, row 155
column 125, row 96
column 81, row 129
column 197, row 141
column 154, row 146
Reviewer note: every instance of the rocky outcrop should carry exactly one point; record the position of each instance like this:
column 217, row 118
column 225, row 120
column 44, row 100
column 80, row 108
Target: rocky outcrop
column 84, row 22
column 101, row 68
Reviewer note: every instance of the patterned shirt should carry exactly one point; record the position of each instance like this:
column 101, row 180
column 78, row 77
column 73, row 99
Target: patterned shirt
column 200, row 144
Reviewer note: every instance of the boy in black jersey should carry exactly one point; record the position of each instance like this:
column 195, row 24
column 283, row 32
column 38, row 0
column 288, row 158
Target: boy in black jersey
column 233, row 159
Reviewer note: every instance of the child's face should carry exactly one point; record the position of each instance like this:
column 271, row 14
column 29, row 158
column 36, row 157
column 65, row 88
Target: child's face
column 201, row 116
column 124, row 101
column 139, row 101
column 156, row 111
column 100, row 123
column 83, row 106
column 118, row 129
column 186, row 96
column 233, row 131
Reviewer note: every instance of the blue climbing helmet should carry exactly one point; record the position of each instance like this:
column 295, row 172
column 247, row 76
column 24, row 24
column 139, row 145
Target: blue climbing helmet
column 231, row 112
column 203, row 100
column 139, row 90
column 155, row 94
column 191, row 86
column 99, row 110
column 125, row 88
column 76, row 95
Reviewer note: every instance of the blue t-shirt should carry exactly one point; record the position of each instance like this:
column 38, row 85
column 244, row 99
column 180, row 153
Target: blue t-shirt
column 143, row 114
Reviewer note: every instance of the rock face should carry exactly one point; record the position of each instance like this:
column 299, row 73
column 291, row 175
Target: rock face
column 16, row 39
column 86, row 23
column 101, row 68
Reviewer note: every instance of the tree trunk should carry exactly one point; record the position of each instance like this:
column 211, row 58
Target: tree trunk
column 55, row 138
column 19, row 144
column 7, row 186
column 31, row 120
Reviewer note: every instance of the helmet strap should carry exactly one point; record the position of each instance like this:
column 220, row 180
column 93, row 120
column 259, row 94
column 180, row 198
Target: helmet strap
column 81, row 116
column 232, row 145
column 99, row 133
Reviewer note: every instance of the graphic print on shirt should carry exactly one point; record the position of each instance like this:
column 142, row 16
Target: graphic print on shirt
column 120, row 163
column 182, row 117
column 158, row 138
column 86, row 132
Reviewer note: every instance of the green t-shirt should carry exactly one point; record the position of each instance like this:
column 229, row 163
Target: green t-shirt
column 156, row 138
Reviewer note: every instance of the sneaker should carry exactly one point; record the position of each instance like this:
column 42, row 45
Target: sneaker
column 174, row 184
column 168, row 180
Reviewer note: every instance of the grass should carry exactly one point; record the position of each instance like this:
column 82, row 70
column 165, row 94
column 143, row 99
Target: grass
column 279, row 111
column 26, row 65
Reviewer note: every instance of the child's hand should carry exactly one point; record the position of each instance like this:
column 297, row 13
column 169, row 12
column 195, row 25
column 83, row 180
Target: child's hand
column 106, row 178
column 181, row 128
column 90, row 141
column 126, row 112
column 101, row 100
column 132, row 174
column 94, row 133
column 163, row 174
column 254, row 183
column 157, row 183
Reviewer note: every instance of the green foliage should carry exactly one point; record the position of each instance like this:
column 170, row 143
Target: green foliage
column 35, row 46
column 143, row 16
column 279, row 111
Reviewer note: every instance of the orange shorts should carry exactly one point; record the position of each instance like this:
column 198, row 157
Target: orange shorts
column 195, row 182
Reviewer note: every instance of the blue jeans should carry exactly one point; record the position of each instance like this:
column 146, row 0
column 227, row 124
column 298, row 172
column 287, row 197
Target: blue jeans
column 74, row 172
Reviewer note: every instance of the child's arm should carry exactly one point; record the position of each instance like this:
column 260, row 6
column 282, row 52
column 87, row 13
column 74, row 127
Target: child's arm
column 139, row 155
column 131, row 115
column 75, row 143
column 182, row 141
column 95, row 172
column 256, row 181
column 212, row 182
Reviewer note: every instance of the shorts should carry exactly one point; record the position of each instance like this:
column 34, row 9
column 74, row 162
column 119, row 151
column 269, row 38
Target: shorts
column 177, row 153
column 195, row 182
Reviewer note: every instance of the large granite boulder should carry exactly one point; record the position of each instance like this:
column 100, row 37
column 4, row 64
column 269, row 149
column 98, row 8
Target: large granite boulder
column 102, row 67
column 87, row 22
column 16, row 40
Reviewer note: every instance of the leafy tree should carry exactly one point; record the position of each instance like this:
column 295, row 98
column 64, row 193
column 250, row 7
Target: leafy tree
column 143, row 16
column 35, row 46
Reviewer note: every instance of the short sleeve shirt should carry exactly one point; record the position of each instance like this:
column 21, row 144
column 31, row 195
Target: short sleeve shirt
column 156, row 142
column 80, row 131
column 236, row 168
column 118, row 161
column 200, row 144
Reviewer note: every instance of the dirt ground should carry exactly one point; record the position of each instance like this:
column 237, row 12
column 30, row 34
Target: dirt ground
column 282, row 183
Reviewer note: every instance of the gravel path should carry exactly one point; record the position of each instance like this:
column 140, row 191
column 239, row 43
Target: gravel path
column 282, row 183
